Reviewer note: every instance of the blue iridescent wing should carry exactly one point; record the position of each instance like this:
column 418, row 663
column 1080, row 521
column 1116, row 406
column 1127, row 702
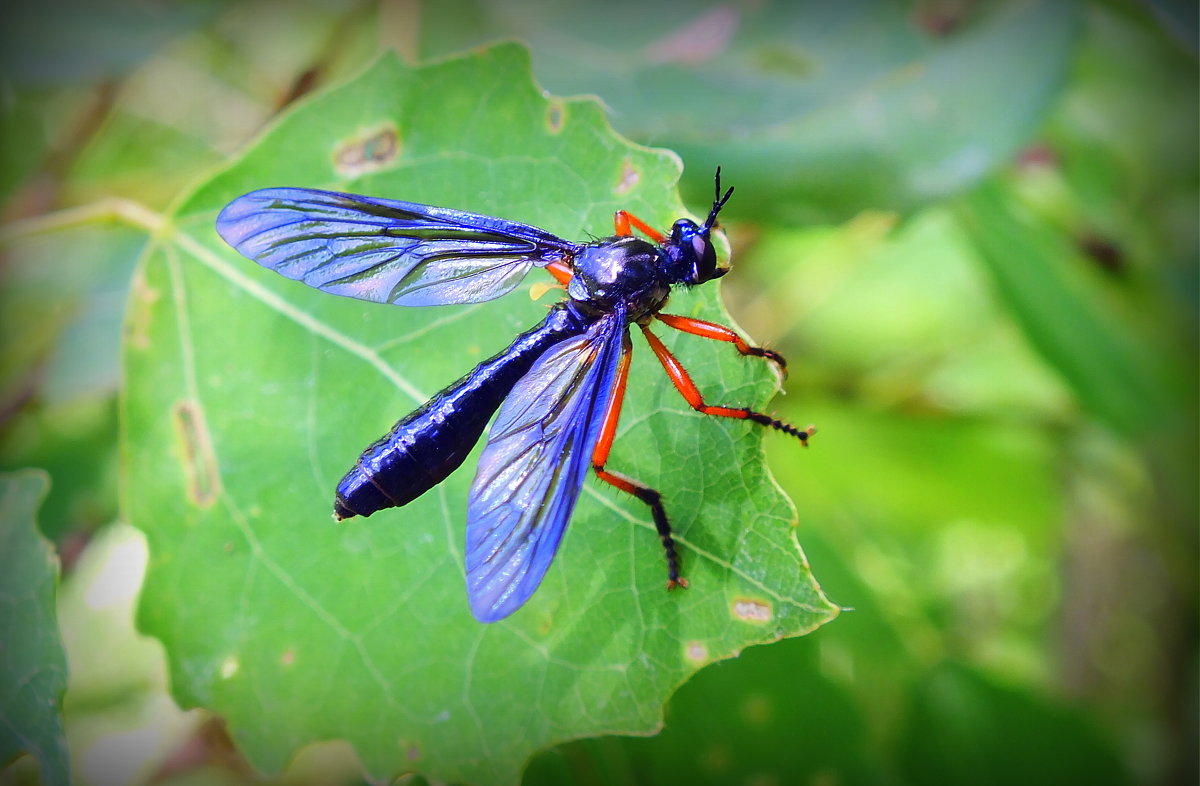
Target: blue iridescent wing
column 383, row 250
column 538, row 452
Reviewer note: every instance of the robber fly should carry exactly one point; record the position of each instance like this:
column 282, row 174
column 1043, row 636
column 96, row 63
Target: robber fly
column 558, row 386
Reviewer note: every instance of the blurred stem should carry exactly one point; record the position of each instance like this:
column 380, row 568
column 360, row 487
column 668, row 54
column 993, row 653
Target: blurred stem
column 110, row 209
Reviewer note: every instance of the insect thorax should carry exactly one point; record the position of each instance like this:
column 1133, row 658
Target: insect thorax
column 621, row 269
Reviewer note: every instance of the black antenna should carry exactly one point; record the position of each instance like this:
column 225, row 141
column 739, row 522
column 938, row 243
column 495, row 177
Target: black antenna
column 718, row 203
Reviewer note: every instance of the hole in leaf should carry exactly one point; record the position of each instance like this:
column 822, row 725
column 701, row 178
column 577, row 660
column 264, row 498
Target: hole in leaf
column 750, row 610
column 629, row 178
column 229, row 667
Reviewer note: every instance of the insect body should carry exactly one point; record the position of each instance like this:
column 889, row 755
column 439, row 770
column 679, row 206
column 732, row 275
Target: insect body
column 558, row 387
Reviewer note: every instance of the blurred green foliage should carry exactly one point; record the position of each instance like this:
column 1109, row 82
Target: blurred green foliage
column 990, row 310
column 33, row 672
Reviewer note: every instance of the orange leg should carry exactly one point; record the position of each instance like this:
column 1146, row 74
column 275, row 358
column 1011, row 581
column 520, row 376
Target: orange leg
column 698, row 327
column 561, row 271
column 608, row 432
column 687, row 388
column 623, row 219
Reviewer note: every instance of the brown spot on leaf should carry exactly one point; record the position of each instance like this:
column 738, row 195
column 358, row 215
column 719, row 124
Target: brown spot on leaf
column 556, row 116
column 370, row 151
column 199, row 461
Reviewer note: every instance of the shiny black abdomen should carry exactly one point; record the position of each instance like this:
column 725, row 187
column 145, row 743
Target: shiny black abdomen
column 423, row 448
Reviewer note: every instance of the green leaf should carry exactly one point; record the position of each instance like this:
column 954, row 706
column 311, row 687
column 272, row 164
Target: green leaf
column 825, row 108
column 33, row 666
column 250, row 395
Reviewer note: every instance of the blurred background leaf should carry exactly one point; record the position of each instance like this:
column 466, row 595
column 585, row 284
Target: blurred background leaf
column 822, row 108
column 1005, row 379
column 33, row 670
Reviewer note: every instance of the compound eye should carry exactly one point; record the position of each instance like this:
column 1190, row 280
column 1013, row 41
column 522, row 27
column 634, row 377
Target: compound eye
column 699, row 244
